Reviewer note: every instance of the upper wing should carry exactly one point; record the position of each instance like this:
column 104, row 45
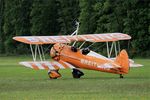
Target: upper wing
column 42, row 39
column 67, row 39
column 47, row 65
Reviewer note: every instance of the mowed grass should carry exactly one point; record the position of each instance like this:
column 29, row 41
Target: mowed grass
column 20, row 83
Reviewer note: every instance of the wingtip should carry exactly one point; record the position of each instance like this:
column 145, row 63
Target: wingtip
column 14, row 38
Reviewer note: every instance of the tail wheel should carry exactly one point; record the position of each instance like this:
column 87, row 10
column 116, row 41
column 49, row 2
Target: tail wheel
column 121, row 76
column 77, row 73
column 54, row 74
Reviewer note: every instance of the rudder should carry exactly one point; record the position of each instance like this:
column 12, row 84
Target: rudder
column 123, row 60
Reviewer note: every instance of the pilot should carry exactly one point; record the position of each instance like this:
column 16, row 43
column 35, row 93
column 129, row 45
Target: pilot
column 74, row 49
column 85, row 51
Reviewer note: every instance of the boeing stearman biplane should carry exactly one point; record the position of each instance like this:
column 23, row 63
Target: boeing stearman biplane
column 66, row 56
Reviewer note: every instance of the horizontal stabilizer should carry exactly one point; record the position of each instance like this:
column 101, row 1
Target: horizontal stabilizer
column 131, row 63
column 47, row 65
column 135, row 65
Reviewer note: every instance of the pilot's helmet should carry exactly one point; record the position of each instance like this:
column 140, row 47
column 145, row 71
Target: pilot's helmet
column 85, row 51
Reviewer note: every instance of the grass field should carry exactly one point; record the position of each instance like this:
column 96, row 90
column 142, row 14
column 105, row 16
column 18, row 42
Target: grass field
column 20, row 83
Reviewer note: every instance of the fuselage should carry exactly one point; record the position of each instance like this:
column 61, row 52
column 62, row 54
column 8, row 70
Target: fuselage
column 63, row 52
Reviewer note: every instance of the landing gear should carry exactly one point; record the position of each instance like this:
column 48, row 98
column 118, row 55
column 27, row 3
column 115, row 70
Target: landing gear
column 121, row 76
column 77, row 73
column 54, row 74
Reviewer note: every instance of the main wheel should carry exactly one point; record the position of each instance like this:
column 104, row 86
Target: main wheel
column 54, row 74
column 77, row 73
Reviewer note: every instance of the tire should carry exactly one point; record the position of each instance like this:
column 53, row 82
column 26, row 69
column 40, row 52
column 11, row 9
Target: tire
column 54, row 74
column 77, row 73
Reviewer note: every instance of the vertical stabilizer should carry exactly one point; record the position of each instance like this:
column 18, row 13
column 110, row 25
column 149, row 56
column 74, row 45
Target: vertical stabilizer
column 123, row 60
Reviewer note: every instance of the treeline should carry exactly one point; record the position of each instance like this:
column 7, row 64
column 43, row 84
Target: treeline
column 57, row 17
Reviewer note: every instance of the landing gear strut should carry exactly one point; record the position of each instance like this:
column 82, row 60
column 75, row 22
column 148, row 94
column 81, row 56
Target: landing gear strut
column 54, row 74
column 77, row 73
column 121, row 76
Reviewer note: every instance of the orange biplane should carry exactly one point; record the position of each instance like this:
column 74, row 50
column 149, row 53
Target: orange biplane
column 66, row 56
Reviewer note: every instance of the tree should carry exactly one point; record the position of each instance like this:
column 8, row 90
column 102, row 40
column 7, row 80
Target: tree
column 44, row 17
column 68, row 13
column 110, row 14
column 49, row 17
column 136, row 24
column 16, row 22
column 9, row 26
column 87, row 16
column 2, row 48
column 22, row 17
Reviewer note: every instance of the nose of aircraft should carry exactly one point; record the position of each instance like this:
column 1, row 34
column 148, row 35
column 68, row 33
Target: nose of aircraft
column 56, row 49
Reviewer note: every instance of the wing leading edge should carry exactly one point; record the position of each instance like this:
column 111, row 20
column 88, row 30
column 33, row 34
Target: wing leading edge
column 108, row 37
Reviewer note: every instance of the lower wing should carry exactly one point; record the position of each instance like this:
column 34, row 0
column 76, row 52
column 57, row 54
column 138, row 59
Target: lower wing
column 47, row 65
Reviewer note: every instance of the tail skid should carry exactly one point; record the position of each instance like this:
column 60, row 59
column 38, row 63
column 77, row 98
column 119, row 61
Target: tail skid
column 123, row 61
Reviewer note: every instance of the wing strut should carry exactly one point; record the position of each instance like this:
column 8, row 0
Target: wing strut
column 113, row 46
column 38, row 50
column 75, row 32
column 107, row 50
column 116, row 52
column 33, row 54
column 42, row 52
